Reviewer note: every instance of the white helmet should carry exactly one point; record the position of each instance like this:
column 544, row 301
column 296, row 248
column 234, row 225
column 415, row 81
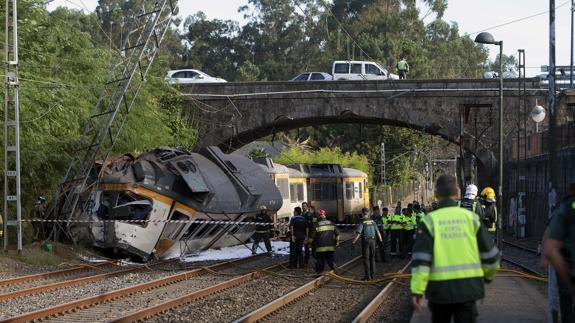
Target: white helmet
column 471, row 192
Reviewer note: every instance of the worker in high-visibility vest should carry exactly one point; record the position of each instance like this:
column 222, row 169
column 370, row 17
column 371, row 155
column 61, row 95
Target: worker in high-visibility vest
column 396, row 228
column 470, row 202
column 402, row 69
column 409, row 224
column 452, row 257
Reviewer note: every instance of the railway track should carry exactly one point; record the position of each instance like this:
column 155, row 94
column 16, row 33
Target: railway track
column 101, row 306
column 46, row 282
column 522, row 257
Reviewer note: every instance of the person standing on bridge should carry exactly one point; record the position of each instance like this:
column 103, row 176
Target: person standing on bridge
column 452, row 257
column 403, row 69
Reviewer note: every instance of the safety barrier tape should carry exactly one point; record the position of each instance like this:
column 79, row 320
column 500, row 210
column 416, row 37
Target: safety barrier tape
column 199, row 221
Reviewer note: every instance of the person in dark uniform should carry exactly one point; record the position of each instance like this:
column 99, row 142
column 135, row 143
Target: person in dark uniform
column 378, row 219
column 368, row 232
column 308, row 215
column 326, row 239
column 470, row 202
column 299, row 232
column 559, row 250
column 263, row 228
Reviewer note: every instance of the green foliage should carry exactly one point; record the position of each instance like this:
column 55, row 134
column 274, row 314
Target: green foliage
column 248, row 72
column 259, row 153
column 295, row 155
column 64, row 61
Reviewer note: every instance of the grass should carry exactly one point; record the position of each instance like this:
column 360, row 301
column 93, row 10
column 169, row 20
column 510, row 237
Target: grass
column 34, row 255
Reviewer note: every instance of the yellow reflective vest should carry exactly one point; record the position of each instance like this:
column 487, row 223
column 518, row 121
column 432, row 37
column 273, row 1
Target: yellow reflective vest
column 396, row 221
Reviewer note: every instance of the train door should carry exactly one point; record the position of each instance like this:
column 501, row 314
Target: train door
column 340, row 200
column 173, row 231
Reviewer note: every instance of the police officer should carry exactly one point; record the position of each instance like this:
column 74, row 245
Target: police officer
column 419, row 212
column 402, row 68
column 263, row 228
column 379, row 220
column 452, row 257
column 490, row 215
column 368, row 232
column 469, row 201
column 396, row 228
column 326, row 239
column 299, row 229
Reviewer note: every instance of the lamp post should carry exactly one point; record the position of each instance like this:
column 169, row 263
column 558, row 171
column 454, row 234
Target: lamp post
column 487, row 38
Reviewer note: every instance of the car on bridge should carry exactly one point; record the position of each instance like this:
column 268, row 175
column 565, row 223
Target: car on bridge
column 190, row 76
column 313, row 76
column 360, row 70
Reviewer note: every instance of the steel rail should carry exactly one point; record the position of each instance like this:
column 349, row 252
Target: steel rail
column 292, row 296
column 47, row 275
column 372, row 307
column 524, row 267
column 72, row 282
column 518, row 246
column 182, row 300
column 92, row 300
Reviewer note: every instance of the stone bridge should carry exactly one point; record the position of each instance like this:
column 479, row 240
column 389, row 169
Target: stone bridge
column 232, row 114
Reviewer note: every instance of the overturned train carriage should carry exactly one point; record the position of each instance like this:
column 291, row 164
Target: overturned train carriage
column 170, row 184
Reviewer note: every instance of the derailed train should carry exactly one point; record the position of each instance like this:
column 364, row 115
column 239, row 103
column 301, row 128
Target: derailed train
column 143, row 194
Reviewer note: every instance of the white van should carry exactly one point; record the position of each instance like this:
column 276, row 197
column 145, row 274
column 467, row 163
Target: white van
column 360, row 70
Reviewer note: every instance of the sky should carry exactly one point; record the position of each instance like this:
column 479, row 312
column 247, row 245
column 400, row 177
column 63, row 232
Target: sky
column 471, row 15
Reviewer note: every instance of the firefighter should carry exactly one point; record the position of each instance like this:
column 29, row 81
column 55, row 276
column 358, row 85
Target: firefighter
column 326, row 239
column 490, row 215
column 368, row 232
column 453, row 256
column 263, row 228
column 379, row 220
column 299, row 229
column 469, row 201
column 396, row 228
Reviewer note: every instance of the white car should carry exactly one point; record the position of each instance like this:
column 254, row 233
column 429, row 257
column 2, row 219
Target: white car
column 360, row 70
column 313, row 76
column 189, row 76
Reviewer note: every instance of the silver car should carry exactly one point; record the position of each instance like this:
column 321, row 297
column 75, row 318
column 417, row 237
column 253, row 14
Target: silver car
column 313, row 76
column 190, row 76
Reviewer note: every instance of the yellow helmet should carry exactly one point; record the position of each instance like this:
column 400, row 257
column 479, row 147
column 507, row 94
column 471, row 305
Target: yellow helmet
column 488, row 194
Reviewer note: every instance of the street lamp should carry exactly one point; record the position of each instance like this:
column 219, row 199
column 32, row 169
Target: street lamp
column 487, row 38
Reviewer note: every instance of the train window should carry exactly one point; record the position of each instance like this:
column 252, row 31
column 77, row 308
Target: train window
column 360, row 190
column 173, row 230
column 283, row 186
column 328, row 192
column 349, row 190
column 317, row 192
column 300, row 192
column 292, row 193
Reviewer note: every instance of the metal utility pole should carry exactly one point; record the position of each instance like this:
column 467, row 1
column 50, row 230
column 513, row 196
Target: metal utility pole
column 382, row 171
column 572, row 34
column 12, row 193
column 551, row 100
